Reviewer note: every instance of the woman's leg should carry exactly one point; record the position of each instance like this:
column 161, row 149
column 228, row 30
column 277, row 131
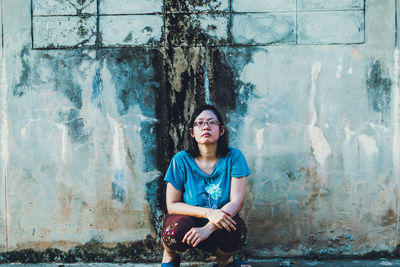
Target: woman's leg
column 230, row 242
column 175, row 228
column 169, row 255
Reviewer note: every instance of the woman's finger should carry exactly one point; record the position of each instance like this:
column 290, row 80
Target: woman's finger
column 186, row 235
column 219, row 225
column 198, row 240
column 230, row 225
column 190, row 238
column 231, row 220
column 226, row 226
column 194, row 240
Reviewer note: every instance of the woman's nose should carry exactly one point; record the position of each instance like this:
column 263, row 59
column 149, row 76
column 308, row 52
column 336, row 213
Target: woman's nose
column 205, row 125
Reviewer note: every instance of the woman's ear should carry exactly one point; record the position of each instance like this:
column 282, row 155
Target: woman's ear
column 191, row 132
column 221, row 130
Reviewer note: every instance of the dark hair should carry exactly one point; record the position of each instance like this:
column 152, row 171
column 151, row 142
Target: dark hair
column 223, row 141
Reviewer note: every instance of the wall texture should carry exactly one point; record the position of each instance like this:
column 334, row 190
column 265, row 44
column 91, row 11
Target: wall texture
column 95, row 95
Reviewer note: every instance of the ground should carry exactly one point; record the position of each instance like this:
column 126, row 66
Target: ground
column 254, row 263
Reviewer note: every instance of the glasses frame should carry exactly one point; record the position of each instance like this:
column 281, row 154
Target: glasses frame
column 195, row 124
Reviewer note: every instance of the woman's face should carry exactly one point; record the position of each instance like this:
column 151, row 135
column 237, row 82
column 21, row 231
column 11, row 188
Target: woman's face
column 206, row 128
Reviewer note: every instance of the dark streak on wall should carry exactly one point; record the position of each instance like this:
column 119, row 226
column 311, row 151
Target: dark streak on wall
column 137, row 75
column 147, row 250
column 62, row 79
column 190, row 5
column 379, row 87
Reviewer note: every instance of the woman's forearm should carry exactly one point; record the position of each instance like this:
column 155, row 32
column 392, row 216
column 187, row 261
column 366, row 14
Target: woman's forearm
column 181, row 208
column 232, row 207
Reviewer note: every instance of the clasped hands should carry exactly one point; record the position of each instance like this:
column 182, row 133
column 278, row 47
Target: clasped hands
column 218, row 218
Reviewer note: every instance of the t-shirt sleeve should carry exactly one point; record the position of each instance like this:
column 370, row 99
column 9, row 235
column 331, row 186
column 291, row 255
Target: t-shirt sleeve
column 175, row 175
column 239, row 165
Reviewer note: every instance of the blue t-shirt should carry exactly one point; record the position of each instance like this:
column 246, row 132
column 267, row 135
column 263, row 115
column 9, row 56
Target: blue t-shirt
column 203, row 190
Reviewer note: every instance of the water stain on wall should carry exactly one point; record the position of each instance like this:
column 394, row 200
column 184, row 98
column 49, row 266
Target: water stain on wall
column 379, row 87
column 137, row 75
column 54, row 71
column 388, row 218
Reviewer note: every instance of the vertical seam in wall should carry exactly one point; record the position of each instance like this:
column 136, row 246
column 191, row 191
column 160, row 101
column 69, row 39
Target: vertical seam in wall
column 365, row 11
column 31, row 23
column 395, row 23
column 98, row 40
column 297, row 22
column 230, row 39
column 4, row 130
column 164, row 32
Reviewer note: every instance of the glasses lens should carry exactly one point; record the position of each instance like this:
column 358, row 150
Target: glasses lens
column 210, row 123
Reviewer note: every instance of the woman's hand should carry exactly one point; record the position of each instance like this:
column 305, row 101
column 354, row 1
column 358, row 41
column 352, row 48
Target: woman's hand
column 197, row 234
column 221, row 219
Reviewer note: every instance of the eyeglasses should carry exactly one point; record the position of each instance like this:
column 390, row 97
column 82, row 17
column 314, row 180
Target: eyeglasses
column 210, row 123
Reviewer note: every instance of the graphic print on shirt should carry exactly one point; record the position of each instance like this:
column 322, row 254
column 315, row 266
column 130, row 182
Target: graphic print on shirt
column 214, row 192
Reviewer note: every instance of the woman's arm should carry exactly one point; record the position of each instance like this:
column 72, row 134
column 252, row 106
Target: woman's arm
column 217, row 218
column 175, row 205
column 238, row 193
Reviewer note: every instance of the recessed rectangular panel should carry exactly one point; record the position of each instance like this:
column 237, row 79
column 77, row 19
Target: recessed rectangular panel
column 263, row 6
column 131, row 30
column 333, row 27
column 197, row 30
column 60, row 32
column 262, row 29
column 70, row 7
column 330, row 4
column 214, row 27
column 130, row 6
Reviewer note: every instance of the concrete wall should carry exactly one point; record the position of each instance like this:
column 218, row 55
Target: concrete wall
column 95, row 96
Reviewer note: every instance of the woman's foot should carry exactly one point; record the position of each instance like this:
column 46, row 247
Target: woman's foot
column 170, row 258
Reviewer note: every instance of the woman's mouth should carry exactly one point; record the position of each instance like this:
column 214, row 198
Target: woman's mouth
column 206, row 134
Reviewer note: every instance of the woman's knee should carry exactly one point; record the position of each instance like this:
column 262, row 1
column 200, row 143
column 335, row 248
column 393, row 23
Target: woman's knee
column 234, row 240
column 175, row 228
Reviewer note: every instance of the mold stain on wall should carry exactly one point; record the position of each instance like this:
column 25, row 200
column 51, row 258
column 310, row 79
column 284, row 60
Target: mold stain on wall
column 379, row 87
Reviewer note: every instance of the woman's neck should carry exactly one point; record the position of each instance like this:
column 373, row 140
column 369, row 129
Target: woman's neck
column 208, row 152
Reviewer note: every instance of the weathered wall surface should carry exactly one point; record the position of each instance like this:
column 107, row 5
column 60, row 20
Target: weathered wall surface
column 95, row 96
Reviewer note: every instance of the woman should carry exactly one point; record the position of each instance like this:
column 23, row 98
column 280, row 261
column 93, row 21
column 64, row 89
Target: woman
column 205, row 192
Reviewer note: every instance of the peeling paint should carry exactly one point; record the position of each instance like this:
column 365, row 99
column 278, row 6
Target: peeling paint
column 369, row 144
column 320, row 146
column 339, row 69
column 120, row 169
column 206, row 85
column 260, row 139
column 64, row 134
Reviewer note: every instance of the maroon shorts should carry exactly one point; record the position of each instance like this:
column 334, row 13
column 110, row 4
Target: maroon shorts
column 176, row 226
